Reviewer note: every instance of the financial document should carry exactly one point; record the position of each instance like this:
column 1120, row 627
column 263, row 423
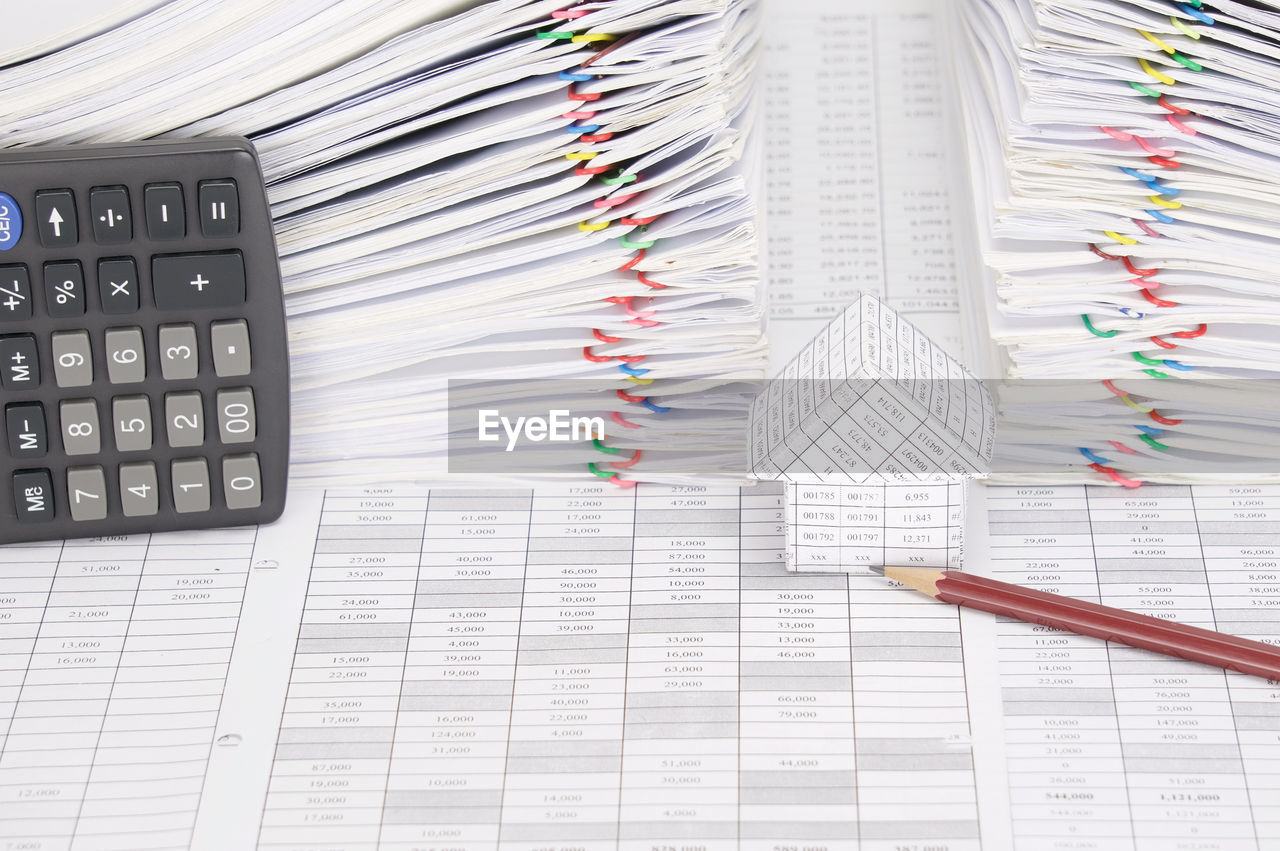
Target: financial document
column 833, row 528
column 1110, row 747
column 606, row 670
column 858, row 165
column 581, row 667
column 113, row 659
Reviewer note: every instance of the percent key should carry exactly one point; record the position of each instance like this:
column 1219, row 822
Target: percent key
column 64, row 289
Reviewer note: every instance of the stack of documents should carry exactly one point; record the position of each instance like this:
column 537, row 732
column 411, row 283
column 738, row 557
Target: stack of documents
column 491, row 195
column 1125, row 160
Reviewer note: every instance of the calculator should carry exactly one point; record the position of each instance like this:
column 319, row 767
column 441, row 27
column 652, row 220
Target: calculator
column 143, row 358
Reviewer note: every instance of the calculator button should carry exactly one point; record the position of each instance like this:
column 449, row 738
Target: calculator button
column 118, row 285
column 64, row 289
column 166, row 211
column 184, row 419
column 237, row 420
column 125, row 361
column 138, row 494
column 79, row 419
column 230, row 348
column 219, row 208
column 28, row 434
column 109, row 208
column 87, row 493
column 33, row 495
column 184, row 281
column 72, row 360
column 178, row 352
column 131, row 420
column 15, row 293
column 19, row 362
column 190, row 485
column 56, row 218
column 10, row 222
column 242, row 481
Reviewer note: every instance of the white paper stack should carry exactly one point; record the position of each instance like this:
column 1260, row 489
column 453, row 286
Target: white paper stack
column 511, row 191
column 1125, row 164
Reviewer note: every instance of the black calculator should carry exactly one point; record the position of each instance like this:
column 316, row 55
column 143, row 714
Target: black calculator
column 143, row 358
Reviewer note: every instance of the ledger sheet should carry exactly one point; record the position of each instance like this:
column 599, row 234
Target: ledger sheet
column 582, row 667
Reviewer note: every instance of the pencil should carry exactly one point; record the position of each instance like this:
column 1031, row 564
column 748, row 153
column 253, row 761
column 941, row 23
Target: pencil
column 1083, row 618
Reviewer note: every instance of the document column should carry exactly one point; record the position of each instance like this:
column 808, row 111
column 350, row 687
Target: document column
column 680, row 758
column 1182, row 761
column 1240, row 537
column 148, row 771
column 445, row 786
column 24, row 591
column 799, row 787
column 563, row 760
column 1066, row 770
column 910, row 707
column 334, row 751
column 66, row 690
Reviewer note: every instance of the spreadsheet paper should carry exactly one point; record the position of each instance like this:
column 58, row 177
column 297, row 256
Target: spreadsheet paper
column 580, row 667
column 858, row 165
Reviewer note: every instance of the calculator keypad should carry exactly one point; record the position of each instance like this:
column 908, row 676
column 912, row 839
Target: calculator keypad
column 142, row 353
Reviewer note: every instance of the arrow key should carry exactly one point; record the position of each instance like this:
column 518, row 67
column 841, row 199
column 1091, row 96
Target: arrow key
column 56, row 218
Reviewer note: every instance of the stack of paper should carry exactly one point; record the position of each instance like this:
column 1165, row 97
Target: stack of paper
column 1126, row 175
column 510, row 193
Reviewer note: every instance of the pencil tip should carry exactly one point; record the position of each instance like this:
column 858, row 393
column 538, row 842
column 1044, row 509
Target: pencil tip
column 879, row 571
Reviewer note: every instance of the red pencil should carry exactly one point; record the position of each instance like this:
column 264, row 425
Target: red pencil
column 1067, row 613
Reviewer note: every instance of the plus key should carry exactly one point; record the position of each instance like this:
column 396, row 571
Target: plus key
column 186, row 281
